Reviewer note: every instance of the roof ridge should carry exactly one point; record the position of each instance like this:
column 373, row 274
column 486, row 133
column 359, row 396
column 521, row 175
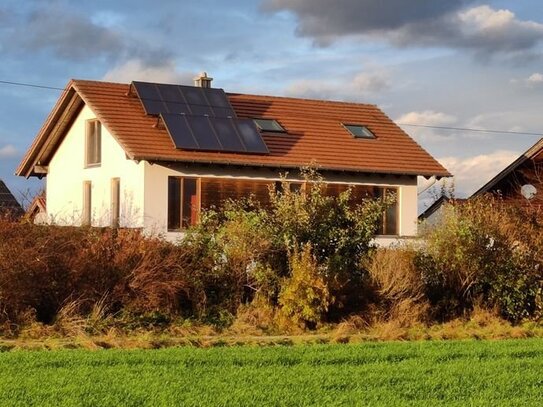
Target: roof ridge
column 323, row 101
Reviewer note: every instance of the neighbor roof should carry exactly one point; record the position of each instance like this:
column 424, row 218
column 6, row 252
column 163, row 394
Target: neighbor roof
column 8, row 203
column 530, row 154
column 314, row 133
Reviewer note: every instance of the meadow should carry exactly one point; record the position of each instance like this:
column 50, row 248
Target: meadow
column 457, row 373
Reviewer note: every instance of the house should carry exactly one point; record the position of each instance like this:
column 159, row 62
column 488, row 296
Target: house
column 434, row 213
column 37, row 210
column 152, row 155
column 9, row 206
column 521, row 182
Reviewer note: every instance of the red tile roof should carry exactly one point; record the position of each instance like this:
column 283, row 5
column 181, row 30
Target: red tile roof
column 314, row 134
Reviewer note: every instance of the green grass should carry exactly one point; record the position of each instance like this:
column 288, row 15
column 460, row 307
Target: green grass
column 461, row 373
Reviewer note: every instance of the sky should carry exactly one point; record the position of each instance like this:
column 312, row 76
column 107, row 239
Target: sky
column 441, row 63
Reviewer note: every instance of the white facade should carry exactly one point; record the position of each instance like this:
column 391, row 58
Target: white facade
column 144, row 186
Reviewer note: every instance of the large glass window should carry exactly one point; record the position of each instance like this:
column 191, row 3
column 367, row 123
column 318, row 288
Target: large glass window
column 183, row 202
column 93, row 143
column 187, row 195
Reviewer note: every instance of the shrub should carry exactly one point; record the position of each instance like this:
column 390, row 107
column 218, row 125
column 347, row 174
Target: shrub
column 304, row 296
column 398, row 285
column 484, row 250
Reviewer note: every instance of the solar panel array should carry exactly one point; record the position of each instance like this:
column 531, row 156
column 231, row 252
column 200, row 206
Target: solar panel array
column 200, row 118
column 214, row 133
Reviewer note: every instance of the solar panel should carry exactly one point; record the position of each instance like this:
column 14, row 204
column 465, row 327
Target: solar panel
column 150, row 98
column 251, row 137
column 200, row 118
column 165, row 98
column 203, row 133
column 179, row 131
column 225, row 130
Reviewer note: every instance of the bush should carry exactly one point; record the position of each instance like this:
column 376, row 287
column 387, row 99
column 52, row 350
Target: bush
column 484, row 250
column 304, row 297
column 43, row 268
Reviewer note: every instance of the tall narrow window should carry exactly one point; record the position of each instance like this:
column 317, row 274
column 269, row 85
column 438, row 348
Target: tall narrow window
column 87, row 204
column 115, row 202
column 183, row 202
column 93, row 143
column 174, row 203
column 389, row 220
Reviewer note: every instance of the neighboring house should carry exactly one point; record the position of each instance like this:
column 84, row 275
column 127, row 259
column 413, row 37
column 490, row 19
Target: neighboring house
column 434, row 212
column 9, row 206
column 521, row 182
column 152, row 155
column 37, row 211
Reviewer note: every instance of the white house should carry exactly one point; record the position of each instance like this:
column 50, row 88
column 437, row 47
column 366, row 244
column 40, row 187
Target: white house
column 151, row 156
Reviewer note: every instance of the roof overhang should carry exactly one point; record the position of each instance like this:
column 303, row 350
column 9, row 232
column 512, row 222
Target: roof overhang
column 530, row 154
column 37, row 158
column 284, row 166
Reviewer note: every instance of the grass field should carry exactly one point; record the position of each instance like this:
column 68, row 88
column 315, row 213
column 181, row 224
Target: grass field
column 461, row 373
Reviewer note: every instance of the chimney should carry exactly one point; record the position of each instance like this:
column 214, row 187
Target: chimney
column 202, row 80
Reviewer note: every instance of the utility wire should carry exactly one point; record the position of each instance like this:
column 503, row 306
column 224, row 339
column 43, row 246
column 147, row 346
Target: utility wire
column 30, row 85
column 471, row 129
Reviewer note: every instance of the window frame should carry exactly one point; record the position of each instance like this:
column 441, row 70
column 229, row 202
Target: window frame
column 369, row 135
column 115, row 210
column 93, row 143
column 274, row 122
column 383, row 227
column 86, row 207
column 181, row 185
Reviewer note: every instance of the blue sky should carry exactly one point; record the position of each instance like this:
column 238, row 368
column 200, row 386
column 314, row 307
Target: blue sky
column 455, row 63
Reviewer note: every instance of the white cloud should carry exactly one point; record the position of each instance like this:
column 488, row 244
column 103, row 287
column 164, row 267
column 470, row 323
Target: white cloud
column 8, row 151
column 361, row 85
column 471, row 173
column 535, row 78
column 136, row 69
column 426, row 118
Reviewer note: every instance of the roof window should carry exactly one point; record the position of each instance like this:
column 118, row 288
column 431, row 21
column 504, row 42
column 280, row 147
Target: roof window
column 359, row 131
column 269, row 125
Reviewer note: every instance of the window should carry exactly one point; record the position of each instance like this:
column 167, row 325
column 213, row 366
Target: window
column 388, row 224
column 183, row 202
column 359, row 131
column 87, row 204
column 269, row 125
column 115, row 202
column 389, row 221
column 93, row 143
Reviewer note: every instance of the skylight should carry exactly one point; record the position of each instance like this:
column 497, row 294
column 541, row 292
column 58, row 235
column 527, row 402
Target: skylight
column 269, row 125
column 359, row 131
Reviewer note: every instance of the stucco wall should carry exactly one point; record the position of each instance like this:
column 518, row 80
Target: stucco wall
column 67, row 173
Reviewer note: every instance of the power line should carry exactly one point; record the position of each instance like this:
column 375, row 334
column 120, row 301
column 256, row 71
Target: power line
column 30, row 85
column 524, row 133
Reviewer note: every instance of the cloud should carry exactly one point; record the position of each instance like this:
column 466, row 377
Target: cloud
column 471, row 173
column 8, row 151
column 535, row 79
column 325, row 20
column 360, row 86
column 73, row 35
column 482, row 29
column 426, row 118
column 136, row 69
